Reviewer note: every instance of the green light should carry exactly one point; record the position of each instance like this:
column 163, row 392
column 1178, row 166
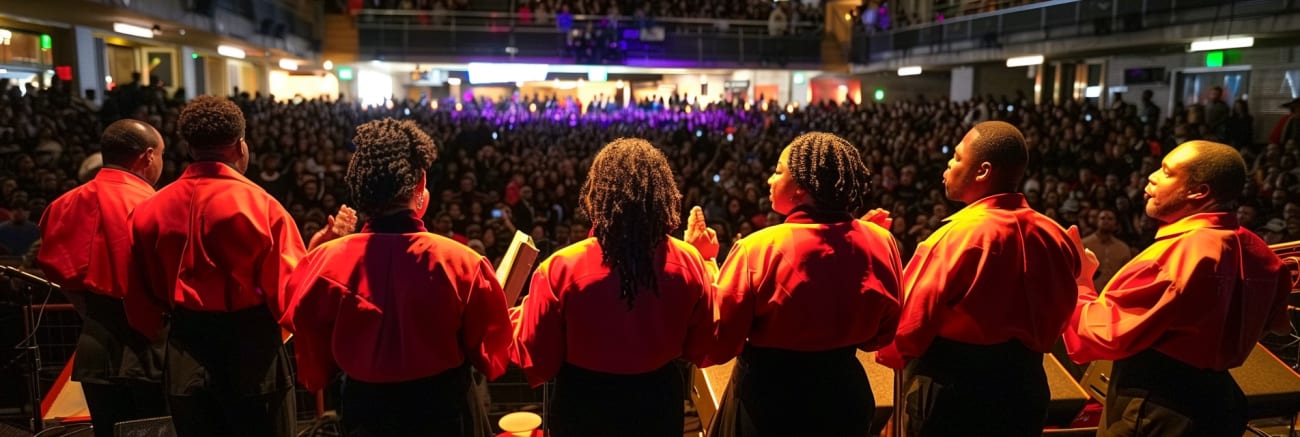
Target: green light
column 345, row 73
column 194, row 55
column 1214, row 59
column 880, row 94
column 46, row 42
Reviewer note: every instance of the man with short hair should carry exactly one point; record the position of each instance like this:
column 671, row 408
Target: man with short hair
column 1187, row 309
column 984, row 299
column 1110, row 251
column 85, row 248
column 214, row 251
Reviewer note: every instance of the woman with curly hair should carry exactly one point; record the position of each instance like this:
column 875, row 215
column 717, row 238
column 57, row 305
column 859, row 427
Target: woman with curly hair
column 797, row 300
column 402, row 312
column 608, row 315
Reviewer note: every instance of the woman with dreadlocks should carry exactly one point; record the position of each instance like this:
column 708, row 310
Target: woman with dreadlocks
column 402, row 312
column 797, row 300
column 607, row 316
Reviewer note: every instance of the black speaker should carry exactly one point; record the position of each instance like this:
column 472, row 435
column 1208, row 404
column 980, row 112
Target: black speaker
column 1272, row 389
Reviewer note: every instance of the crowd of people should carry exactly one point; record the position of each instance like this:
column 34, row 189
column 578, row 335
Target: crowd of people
column 546, row 12
column 504, row 167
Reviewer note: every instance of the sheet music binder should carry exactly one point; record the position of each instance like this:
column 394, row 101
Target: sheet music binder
column 516, row 266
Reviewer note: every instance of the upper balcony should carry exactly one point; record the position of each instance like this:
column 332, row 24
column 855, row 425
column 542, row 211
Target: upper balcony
column 461, row 36
column 1075, row 27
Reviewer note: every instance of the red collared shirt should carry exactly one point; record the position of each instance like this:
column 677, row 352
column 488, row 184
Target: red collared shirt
column 85, row 235
column 395, row 304
column 1203, row 294
column 211, row 241
column 809, row 284
column 574, row 314
column 997, row 271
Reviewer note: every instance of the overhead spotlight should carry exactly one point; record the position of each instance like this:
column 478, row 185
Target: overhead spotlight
column 133, row 30
column 453, row 81
column 289, row 64
column 909, row 71
column 329, row 65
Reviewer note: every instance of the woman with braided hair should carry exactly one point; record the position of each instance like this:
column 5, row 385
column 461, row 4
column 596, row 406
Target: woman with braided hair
column 796, row 301
column 608, row 315
column 402, row 312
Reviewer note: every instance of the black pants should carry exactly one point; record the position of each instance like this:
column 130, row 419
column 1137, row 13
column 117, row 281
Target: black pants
column 440, row 405
column 975, row 390
column 776, row 392
column 228, row 374
column 1151, row 394
column 590, row 403
column 113, row 403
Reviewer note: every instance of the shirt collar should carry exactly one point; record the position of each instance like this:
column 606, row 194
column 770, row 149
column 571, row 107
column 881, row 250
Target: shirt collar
column 804, row 214
column 113, row 175
column 1213, row 220
column 1004, row 201
column 404, row 222
column 214, row 169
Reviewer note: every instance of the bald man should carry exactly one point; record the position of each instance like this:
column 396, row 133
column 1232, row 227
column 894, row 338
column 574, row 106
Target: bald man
column 1186, row 309
column 984, row 299
column 84, row 249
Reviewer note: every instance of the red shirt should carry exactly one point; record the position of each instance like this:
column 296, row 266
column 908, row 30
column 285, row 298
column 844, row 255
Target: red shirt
column 1202, row 294
column 85, row 235
column 997, row 271
column 573, row 314
column 817, row 282
column 211, row 241
column 395, row 303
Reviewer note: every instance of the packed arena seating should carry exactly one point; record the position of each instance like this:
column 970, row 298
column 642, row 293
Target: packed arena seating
column 544, row 11
column 519, row 164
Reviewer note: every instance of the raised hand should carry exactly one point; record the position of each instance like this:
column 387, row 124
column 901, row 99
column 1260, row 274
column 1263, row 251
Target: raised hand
column 1088, row 260
column 879, row 216
column 700, row 235
column 338, row 225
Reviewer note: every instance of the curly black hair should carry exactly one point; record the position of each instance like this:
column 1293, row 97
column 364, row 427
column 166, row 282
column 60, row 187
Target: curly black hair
column 831, row 170
column 633, row 203
column 384, row 171
column 210, row 123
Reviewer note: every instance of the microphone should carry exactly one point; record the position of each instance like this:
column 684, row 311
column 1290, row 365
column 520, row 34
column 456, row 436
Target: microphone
column 17, row 273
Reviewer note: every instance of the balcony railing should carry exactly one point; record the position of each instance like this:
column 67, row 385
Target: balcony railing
column 1055, row 20
column 427, row 35
column 259, row 21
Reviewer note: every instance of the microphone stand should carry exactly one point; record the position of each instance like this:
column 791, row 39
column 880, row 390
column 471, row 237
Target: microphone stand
column 31, row 346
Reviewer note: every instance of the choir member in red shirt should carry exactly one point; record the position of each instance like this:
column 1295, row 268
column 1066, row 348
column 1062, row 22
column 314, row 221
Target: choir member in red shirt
column 607, row 316
column 1186, row 309
column 214, row 251
column 795, row 301
column 402, row 312
column 85, row 247
column 985, row 297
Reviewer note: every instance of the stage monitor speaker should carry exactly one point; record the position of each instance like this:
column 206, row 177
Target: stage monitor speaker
column 151, row 427
column 1068, row 398
column 1272, row 389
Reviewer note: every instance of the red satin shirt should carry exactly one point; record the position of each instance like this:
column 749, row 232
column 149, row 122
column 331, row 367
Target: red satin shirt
column 1202, row 294
column 85, row 235
column 997, row 271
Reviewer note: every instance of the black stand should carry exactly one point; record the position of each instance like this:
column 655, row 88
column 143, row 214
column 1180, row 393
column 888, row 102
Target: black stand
column 30, row 346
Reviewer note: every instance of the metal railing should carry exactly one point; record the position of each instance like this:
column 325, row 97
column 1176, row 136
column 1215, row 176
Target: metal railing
column 247, row 19
column 1055, row 20
column 417, row 35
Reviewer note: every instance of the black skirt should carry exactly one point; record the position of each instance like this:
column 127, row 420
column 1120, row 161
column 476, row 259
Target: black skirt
column 445, row 404
column 590, row 403
column 776, row 392
column 965, row 389
column 1151, row 394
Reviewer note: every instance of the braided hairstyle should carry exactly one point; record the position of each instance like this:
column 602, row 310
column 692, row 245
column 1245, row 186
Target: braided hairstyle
column 633, row 203
column 387, row 165
column 831, row 170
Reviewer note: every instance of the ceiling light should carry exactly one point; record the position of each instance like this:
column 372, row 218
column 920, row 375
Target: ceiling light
column 133, row 30
column 909, row 71
column 329, row 65
column 233, row 52
column 289, row 64
column 1025, row 61
column 1223, row 44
